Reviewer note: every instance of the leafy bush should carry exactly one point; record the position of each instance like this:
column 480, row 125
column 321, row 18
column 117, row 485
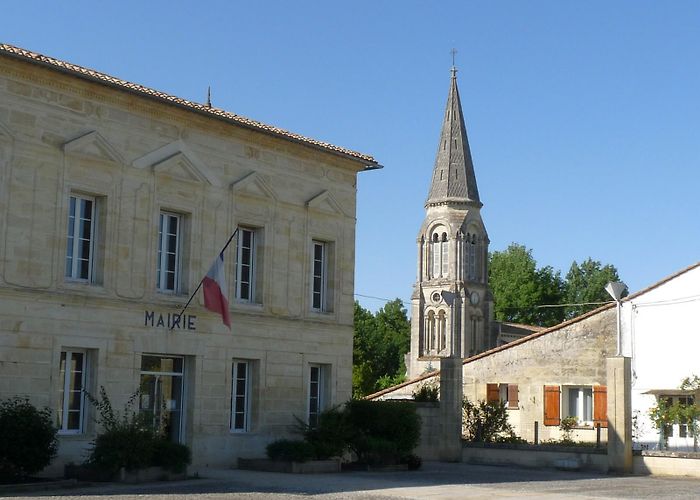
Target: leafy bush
column 382, row 431
column 27, row 439
column 128, row 440
column 484, row 422
column 117, row 448
column 291, row 450
column 171, row 456
column 330, row 436
column 429, row 391
column 567, row 426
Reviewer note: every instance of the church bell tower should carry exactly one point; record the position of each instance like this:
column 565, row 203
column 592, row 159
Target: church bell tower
column 451, row 305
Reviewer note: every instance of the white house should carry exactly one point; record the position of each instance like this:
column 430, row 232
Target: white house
column 661, row 333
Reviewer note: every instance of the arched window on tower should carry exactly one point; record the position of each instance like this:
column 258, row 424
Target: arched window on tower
column 435, row 255
column 444, row 267
column 471, row 252
column 439, row 254
column 442, row 331
column 430, row 339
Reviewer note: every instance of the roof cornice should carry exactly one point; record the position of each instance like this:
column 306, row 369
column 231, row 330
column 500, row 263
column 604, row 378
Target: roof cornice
column 202, row 109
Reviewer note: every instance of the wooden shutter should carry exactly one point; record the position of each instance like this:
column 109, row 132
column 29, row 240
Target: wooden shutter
column 551, row 405
column 512, row 396
column 492, row 394
column 600, row 405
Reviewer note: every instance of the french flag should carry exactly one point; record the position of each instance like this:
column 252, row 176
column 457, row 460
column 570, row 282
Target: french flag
column 215, row 290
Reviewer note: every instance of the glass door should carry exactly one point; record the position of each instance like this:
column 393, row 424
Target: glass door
column 161, row 398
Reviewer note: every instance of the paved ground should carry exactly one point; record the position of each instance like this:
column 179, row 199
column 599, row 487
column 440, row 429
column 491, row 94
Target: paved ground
column 433, row 481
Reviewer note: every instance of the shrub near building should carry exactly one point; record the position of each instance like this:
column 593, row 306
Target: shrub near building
column 27, row 439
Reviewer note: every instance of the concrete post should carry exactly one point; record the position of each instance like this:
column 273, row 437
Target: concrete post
column 451, row 409
column 619, row 380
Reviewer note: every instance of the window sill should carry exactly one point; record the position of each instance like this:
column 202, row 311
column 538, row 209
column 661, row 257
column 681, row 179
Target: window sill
column 84, row 287
column 321, row 316
column 251, row 306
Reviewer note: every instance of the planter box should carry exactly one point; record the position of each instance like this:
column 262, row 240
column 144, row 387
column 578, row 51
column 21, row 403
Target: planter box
column 146, row 475
column 310, row 467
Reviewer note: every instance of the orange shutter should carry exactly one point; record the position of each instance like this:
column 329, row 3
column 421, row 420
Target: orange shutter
column 492, row 394
column 512, row 396
column 551, row 405
column 600, row 405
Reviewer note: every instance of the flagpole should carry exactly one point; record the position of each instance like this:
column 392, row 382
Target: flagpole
column 200, row 283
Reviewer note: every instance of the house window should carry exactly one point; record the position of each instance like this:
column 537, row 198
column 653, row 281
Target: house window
column 589, row 404
column 169, row 236
column 80, row 244
column 72, row 375
column 581, row 404
column 318, row 375
column 503, row 393
column 246, row 266
column 161, row 395
column 240, row 395
column 322, row 276
column 678, row 428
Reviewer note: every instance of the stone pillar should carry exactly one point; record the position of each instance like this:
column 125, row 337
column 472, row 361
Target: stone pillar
column 451, row 409
column 619, row 381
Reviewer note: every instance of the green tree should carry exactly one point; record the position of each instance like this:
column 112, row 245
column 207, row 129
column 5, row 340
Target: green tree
column 380, row 344
column 585, row 284
column 519, row 288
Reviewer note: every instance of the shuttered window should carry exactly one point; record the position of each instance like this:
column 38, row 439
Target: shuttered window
column 600, row 405
column 492, row 393
column 512, row 396
column 551, row 405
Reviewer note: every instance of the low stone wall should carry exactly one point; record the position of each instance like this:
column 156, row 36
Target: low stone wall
column 666, row 463
column 429, row 446
column 536, row 457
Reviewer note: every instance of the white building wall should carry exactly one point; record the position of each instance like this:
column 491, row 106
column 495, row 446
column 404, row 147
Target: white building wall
column 661, row 333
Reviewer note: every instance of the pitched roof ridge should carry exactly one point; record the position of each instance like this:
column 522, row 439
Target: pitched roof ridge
column 202, row 108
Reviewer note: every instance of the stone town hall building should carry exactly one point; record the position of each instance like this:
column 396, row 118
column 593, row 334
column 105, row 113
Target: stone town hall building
column 451, row 298
column 114, row 201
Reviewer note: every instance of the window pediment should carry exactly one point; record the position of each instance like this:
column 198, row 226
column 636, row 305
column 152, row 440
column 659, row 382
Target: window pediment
column 325, row 202
column 253, row 184
column 176, row 160
column 93, row 145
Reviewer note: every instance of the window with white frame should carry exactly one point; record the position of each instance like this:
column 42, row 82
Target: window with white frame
column 71, row 401
column 319, row 292
column 80, row 245
column 248, row 271
column 241, row 384
column 678, row 428
column 169, row 252
column 317, row 375
column 580, row 404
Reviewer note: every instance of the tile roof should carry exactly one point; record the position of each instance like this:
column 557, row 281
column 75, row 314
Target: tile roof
column 538, row 334
column 96, row 76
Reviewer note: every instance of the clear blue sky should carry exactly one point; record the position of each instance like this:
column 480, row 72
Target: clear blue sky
column 583, row 117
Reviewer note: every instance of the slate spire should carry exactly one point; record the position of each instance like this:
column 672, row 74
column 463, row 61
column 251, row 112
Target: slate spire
column 453, row 173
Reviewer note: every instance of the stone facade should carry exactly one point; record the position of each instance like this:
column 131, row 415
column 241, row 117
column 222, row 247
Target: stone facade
column 567, row 357
column 75, row 146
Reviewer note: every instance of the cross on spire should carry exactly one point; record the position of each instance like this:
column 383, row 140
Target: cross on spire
column 454, row 68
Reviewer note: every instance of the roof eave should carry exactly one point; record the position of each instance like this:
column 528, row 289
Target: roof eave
column 368, row 162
